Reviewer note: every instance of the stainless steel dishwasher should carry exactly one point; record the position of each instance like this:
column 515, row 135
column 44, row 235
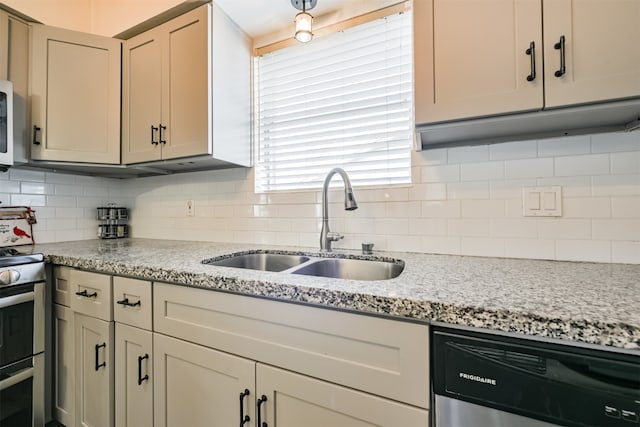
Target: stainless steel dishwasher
column 485, row 379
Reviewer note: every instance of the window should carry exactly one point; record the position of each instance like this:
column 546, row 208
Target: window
column 342, row 100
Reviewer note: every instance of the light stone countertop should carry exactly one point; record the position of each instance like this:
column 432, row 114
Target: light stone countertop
column 584, row 302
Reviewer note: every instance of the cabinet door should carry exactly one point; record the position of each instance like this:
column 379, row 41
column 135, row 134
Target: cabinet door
column 471, row 58
column 196, row 386
column 601, row 53
column 94, row 371
column 64, row 366
column 141, row 97
column 134, row 377
column 186, row 67
column 75, row 96
column 295, row 400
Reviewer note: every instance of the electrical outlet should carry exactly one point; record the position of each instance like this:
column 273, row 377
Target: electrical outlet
column 191, row 208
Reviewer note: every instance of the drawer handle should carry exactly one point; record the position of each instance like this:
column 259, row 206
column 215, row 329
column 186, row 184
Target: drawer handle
column 243, row 418
column 261, row 400
column 140, row 377
column 98, row 364
column 36, row 129
column 560, row 46
column 153, row 130
column 86, row 294
column 532, row 52
column 127, row 303
column 162, row 128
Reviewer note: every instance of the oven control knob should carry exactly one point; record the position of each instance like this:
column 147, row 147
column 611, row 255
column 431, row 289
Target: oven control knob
column 7, row 277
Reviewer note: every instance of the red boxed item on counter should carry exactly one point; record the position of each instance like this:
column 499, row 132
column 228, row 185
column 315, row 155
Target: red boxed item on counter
column 16, row 225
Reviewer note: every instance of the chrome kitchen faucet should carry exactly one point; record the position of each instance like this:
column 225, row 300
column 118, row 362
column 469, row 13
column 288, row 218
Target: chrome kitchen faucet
column 326, row 236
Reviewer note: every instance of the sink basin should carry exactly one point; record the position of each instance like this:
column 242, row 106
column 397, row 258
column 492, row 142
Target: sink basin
column 260, row 261
column 353, row 269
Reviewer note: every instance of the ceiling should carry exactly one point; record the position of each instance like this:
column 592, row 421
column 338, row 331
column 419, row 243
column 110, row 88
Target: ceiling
column 260, row 17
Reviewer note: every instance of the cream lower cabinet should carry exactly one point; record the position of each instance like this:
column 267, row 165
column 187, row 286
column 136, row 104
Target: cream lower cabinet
column 314, row 366
column 64, row 366
column 75, row 96
column 134, row 377
column 94, row 355
column 134, row 374
column 199, row 386
column 292, row 400
column 84, row 348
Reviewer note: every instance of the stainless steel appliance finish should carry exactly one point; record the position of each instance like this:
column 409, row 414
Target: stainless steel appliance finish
column 498, row 380
column 22, row 332
column 6, row 124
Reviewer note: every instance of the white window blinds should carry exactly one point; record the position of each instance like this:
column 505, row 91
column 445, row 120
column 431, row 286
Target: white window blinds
column 343, row 100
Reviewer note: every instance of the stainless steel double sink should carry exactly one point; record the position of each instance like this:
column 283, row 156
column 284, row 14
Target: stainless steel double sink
column 339, row 268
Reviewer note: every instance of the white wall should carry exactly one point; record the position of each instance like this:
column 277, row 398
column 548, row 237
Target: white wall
column 464, row 200
column 65, row 205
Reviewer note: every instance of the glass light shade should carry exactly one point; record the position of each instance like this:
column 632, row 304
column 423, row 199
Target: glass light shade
column 303, row 27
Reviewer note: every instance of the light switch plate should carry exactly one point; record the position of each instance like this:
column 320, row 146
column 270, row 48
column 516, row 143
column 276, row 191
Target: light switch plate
column 542, row 201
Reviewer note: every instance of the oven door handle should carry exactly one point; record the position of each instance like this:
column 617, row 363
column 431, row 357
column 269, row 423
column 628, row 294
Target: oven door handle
column 16, row 378
column 17, row 299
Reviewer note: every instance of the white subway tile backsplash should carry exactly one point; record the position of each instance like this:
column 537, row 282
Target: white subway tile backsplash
column 474, row 153
column 428, row 192
column 482, row 208
column 444, row 173
column 428, row 226
column 463, row 200
column 34, row 188
column 528, row 168
column 514, row 228
column 441, row 209
column 586, row 207
column 616, row 185
column 513, row 150
column 626, row 252
column 472, row 190
column 616, row 229
column 560, row 228
column 482, row 246
column 481, row 171
column 583, row 250
column 625, row 207
column 612, row 142
column 564, row 146
column 591, row 164
column 468, row 227
column 530, row 248
column 625, row 162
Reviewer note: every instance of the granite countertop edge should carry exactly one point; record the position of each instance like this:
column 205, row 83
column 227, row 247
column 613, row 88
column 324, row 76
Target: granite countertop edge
column 583, row 325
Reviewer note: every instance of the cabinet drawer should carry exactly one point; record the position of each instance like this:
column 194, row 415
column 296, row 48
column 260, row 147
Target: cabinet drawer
column 91, row 294
column 132, row 302
column 381, row 356
column 61, row 285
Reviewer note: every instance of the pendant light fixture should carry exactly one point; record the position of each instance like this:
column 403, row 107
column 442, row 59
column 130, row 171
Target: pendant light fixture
column 303, row 20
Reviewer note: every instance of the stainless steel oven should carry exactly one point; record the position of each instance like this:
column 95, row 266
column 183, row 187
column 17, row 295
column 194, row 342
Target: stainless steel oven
column 22, row 335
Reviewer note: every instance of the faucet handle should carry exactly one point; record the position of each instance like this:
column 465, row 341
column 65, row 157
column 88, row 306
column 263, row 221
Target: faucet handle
column 334, row 237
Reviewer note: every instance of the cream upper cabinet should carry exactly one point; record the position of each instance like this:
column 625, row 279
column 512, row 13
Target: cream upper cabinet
column 473, row 58
column 14, row 66
column 599, row 50
column 477, row 58
column 75, row 96
column 181, row 82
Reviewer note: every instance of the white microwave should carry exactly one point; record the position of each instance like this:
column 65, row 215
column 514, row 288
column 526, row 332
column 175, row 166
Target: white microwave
column 6, row 125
